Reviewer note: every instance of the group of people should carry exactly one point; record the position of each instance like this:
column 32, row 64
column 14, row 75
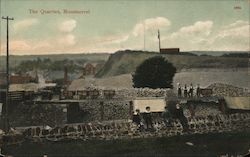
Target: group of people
column 144, row 121
column 178, row 114
column 188, row 91
column 145, row 118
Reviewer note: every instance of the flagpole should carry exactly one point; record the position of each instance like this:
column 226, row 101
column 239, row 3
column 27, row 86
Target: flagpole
column 159, row 37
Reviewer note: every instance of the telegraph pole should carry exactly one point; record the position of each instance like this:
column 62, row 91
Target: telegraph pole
column 6, row 119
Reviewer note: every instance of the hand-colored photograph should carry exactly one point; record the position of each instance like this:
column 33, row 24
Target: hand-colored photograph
column 95, row 78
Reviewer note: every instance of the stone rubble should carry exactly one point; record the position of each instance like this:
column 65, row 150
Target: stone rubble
column 220, row 89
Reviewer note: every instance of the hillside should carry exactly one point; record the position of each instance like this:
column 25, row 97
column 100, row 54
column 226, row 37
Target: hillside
column 123, row 62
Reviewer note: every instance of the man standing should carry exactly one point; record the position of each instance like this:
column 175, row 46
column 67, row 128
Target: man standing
column 167, row 118
column 180, row 115
column 185, row 91
column 148, row 118
column 137, row 119
column 179, row 90
column 191, row 90
column 198, row 91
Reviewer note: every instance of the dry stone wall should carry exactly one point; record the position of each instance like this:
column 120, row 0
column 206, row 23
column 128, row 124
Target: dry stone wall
column 106, row 110
column 130, row 93
column 126, row 129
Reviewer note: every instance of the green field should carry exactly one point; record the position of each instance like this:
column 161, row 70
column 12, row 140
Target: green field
column 203, row 145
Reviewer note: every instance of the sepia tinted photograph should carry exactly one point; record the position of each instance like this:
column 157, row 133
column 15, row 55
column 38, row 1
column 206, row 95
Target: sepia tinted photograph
column 124, row 78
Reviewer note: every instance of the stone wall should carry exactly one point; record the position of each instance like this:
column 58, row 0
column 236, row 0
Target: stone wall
column 30, row 114
column 119, row 106
column 144, row 92
column 126, row 129
column 130, row 93
column 106, row 110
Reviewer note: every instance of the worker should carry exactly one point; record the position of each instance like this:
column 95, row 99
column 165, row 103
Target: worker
column 148, row 119
column 178, row 113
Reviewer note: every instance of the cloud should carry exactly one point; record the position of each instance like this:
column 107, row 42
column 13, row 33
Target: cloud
column 235, row 30
column 24, row 24
column 20, row 45
column 67, row 26
column 150, row 24
column 197, row 30
column 191, row 37
column 234, row 36
column 113, row 39
column 120, row 39
column 200, row 35
column 237, row 24
column 67, row 40
column 45, row 46
column 132, row 38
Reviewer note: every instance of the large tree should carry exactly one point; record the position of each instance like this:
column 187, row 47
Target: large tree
column 155, row 72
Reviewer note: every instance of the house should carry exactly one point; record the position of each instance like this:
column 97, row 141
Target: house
column 169, row 50
column 16, row 79
column 21, row 79
column 89, row 69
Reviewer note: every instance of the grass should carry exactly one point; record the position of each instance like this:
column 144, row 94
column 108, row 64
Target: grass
column 204, row 145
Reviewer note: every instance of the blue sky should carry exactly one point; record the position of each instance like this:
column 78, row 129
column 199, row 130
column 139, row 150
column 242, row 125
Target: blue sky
column 108, row 25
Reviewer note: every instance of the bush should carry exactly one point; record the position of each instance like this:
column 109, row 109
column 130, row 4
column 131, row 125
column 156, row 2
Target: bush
column 155, row 72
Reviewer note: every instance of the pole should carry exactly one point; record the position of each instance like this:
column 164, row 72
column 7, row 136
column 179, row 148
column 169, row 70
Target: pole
column 159, row 37
column 144, row 36
column 6, row 120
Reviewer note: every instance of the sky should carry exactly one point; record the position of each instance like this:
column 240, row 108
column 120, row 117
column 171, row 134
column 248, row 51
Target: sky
column 97, row 26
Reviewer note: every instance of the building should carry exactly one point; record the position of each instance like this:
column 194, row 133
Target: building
column 89, row 69
column 21, row 79
column 169, row 50
column 16, row 79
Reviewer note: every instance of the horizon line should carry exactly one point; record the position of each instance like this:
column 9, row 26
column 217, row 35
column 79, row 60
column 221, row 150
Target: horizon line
column 89, row 53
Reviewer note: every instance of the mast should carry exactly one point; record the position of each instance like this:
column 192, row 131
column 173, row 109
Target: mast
column 144, row 36
column 159, row 37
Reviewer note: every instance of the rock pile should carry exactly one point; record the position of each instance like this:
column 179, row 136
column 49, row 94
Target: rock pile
column 202, row 109
column 220, row 89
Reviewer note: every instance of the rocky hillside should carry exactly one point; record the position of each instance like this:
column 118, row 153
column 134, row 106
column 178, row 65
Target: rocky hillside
column 123, row 62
